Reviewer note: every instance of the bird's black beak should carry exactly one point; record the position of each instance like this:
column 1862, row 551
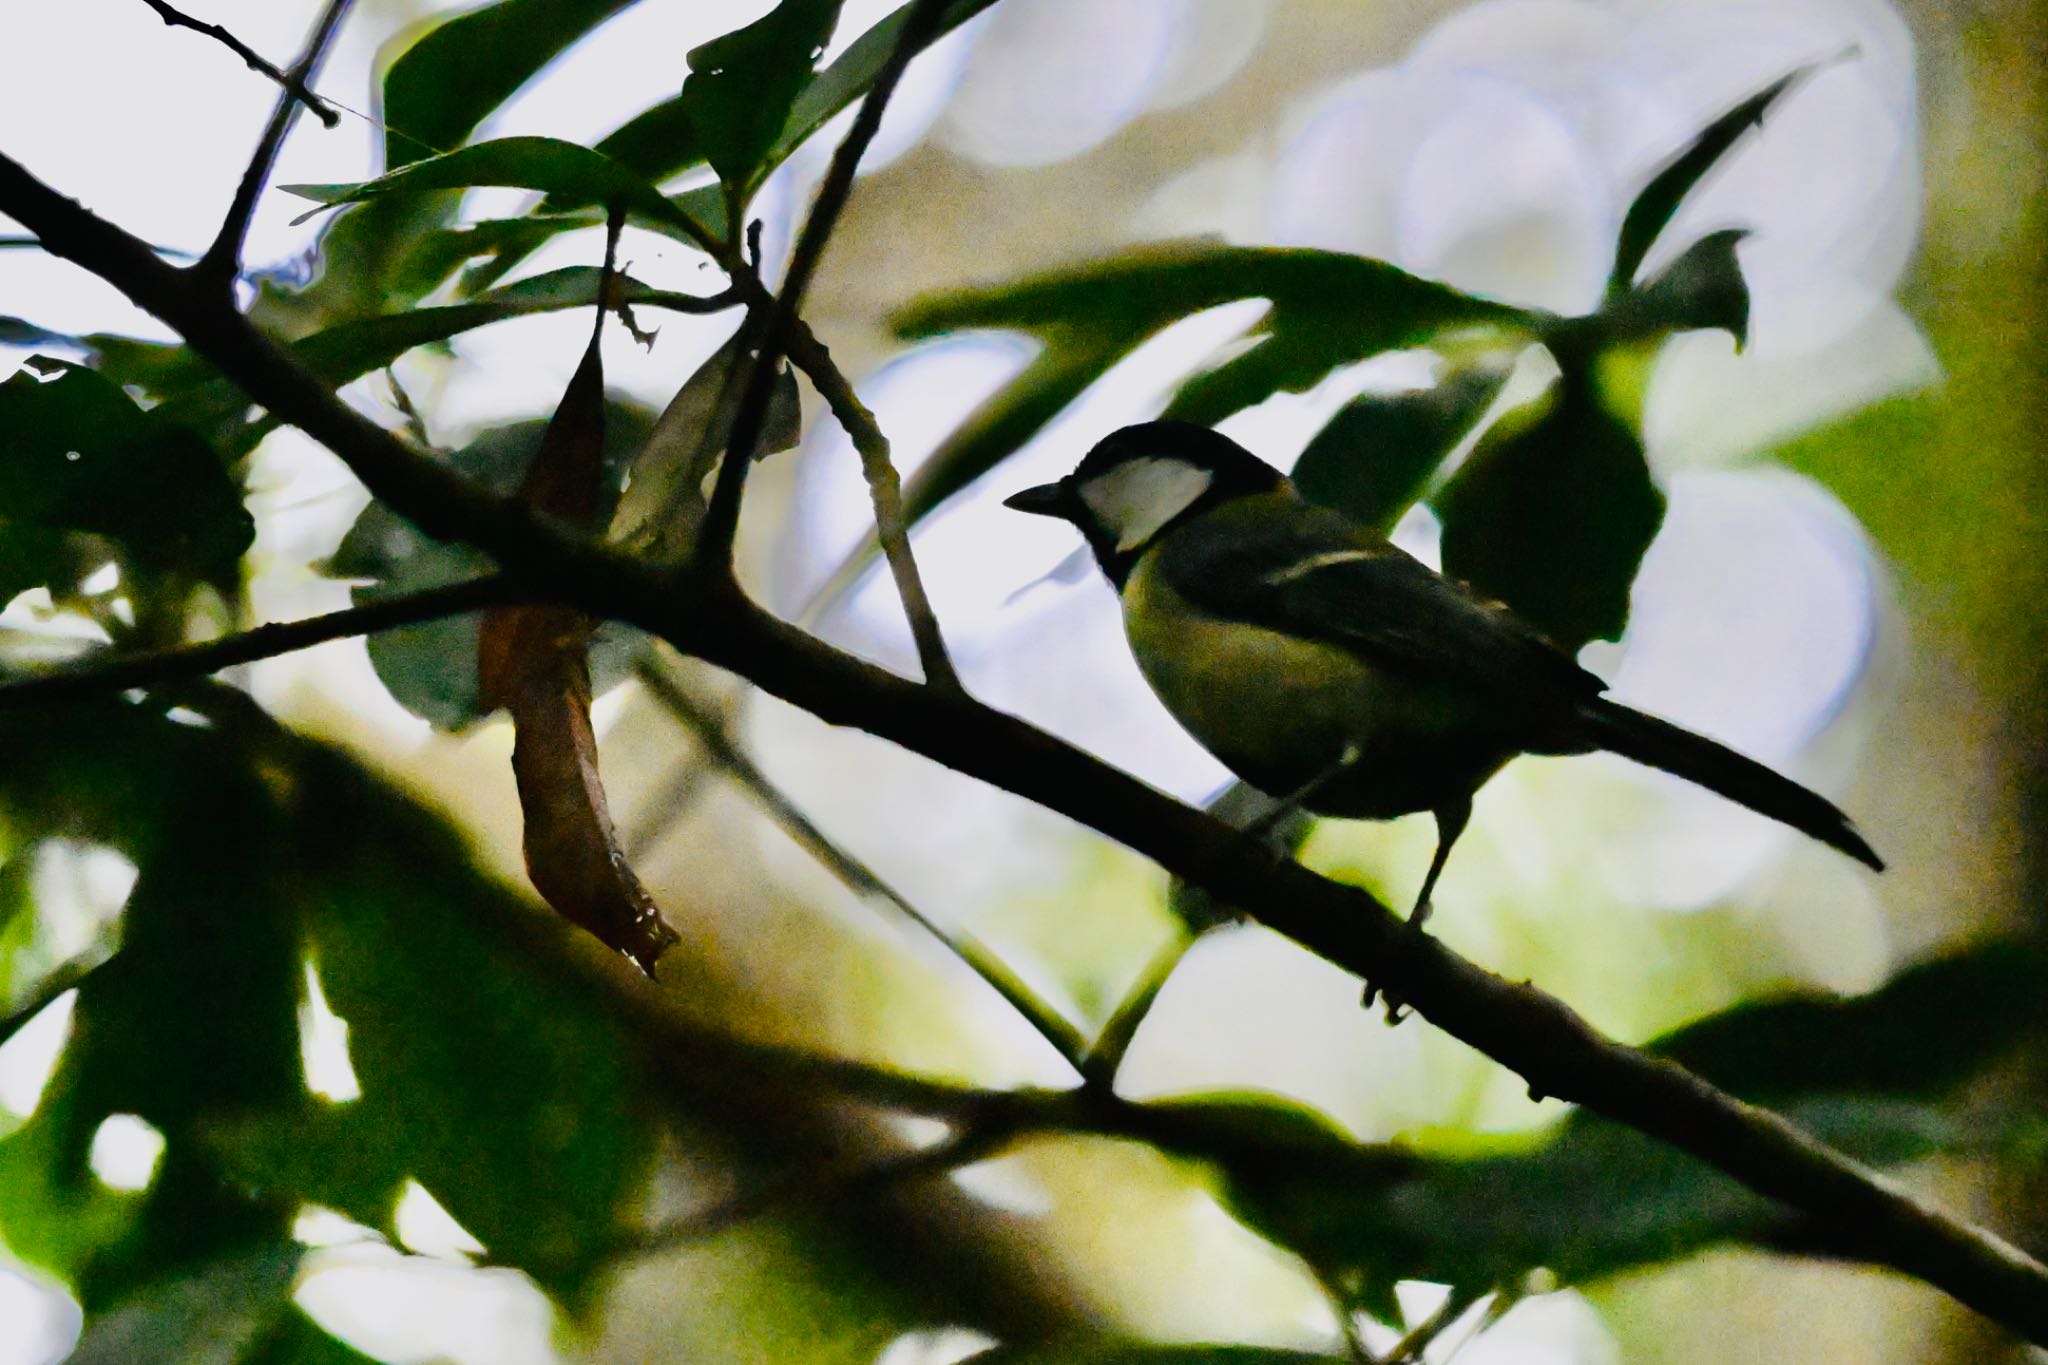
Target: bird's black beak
column 1046, row 500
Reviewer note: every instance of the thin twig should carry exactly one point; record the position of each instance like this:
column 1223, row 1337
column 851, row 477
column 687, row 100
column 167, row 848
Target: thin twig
column 1524, row 1029
column 1410, row 1349
column 294, row 85
column 223, row 260
column 98, row 676
column 721, row 519
column 1099, row 1066
column 885, row 490
column 961, row 1147
column 854, row 874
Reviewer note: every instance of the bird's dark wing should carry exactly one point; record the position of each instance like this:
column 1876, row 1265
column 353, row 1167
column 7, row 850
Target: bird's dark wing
column 1318, row 575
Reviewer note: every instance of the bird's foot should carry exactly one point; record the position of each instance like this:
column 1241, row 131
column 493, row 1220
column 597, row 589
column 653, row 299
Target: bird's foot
column 1397, row 1008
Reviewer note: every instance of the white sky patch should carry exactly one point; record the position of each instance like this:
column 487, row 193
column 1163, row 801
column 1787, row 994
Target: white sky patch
column 410, row 1310
column 125, row 1151
column 28, row 1059
column 42, row 1321
column 428, row 1229
column 935, row 1346
column 1006, row 1183
column 323, row 1045
column 319, row 1226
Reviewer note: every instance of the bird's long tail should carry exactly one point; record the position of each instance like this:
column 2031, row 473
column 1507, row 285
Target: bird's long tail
column 1660, row 744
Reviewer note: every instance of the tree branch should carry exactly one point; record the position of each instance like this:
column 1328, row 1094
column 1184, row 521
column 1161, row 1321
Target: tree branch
column 885, row 490
column 852, row 873
column 722, row 517
column 1522, row 1028
column 223, row 260
column 99, row 676
column 293, row 85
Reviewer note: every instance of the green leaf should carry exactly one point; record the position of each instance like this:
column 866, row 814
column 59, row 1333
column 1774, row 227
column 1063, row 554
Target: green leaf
column 661, row 141
column 488, row 1074
column 192, row 1020
column 663, row 504
column 1702, row 289
column 350, row 350
column 1926, row 1033
column 76, row 454
column 430, row 668
column 1552, row 513
column 1659, row 200
column 1327, row 310
column 450, row 80
column 741, row 86
column 849, row 78
column 1883, row 1077
column 1374, row 459
column 547, row 164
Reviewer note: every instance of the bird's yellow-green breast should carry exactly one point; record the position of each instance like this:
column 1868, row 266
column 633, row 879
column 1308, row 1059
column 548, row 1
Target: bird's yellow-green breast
column 1279, row 709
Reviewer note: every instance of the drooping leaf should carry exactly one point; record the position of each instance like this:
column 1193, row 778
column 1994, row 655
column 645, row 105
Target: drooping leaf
column 742, row 84
column 76, row 454
column 664, row 503
column 533, row 660
column 1595, row 1198
column 1659, row 200
column 1552, row 513
column 430, row 668
column 548, row 164
column 454, row 77
column 1374, row 459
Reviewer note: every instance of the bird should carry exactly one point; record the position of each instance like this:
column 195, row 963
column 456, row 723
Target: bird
column 1332, row 670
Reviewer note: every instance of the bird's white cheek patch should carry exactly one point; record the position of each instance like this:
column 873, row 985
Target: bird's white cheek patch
column 1136, row 500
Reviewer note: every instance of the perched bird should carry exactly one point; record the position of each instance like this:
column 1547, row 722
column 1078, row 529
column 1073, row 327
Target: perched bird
column 1326, row 667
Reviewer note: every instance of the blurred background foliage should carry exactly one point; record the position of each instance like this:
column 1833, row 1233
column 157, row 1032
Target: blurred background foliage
column 294, row 1065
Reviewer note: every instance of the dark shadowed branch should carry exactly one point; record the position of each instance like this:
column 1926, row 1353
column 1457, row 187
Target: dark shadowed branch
column 1535, row 1035
column 99, row 676
column 293, row 84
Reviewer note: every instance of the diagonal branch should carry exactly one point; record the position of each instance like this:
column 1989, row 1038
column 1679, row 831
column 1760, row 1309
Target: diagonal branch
column 722, row 517
column 852, row 873
column 97, row 676
column 294, row 85
column 223, row 260
column 1524, row 1029
column 885, row 489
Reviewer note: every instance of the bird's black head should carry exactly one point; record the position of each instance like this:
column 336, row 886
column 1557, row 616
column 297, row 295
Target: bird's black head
column 1141, row 481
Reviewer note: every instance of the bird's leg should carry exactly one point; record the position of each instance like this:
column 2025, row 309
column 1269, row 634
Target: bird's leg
column 1299, row 797
column 1450, row 823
